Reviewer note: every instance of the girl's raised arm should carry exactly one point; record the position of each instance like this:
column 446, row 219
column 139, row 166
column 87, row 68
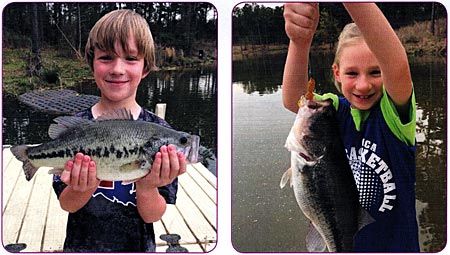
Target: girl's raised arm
column 388, row 50
column 301, row 21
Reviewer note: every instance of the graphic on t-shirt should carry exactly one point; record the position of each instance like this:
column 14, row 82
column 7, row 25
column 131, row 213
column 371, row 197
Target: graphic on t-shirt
column 373, row 177
column 117, row 192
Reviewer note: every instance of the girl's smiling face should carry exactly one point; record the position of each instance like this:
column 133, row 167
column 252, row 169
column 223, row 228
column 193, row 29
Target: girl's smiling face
column 119, row 73
column 360, row 76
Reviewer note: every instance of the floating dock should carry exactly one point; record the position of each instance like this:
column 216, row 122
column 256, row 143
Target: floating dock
column 31, row 213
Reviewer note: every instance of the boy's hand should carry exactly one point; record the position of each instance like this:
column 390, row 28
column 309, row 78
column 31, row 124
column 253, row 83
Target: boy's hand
column 301, row 20
column 168, row 164
column 80, row 174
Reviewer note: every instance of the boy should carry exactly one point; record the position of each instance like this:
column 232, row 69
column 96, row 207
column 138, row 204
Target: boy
column 111, row 216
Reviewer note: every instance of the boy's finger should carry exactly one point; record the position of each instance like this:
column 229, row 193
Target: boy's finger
column 174, row 162
column 65, row 175
column 75, row 173
column 165, row 163
column 83, row 176
column 156, row 166
column 92, row 174
column 182, row 163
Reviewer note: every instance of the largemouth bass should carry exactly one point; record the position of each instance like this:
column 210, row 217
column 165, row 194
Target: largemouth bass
column 322, row 179
column 122, row 148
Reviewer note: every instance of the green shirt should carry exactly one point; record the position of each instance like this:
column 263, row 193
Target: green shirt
column 405, row 132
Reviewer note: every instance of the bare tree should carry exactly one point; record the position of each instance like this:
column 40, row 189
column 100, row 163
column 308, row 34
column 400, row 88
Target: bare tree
column 35, row 58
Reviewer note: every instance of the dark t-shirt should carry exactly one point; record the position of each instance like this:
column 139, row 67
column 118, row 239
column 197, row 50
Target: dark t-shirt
column 110, row 221
column 384, row 170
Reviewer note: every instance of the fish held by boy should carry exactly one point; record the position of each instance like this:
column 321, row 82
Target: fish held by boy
column 322, row 179
column 122, row 148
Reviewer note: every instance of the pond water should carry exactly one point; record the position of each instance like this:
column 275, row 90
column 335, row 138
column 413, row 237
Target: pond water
column 190, row 95
column 266, row 218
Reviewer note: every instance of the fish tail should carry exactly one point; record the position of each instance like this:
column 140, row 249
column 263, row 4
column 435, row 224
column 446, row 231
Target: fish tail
column 21, row 153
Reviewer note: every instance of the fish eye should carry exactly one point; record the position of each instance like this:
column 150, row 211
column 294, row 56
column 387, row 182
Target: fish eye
column 183, row 140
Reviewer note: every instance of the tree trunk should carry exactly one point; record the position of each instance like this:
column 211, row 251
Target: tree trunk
column 35, row 59
column 432, row 19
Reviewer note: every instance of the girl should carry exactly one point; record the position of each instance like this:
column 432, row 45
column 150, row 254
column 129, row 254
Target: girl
column 376, row 116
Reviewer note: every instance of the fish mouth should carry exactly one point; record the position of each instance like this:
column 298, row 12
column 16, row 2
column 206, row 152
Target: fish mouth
column 318, row 105
column 306, row 132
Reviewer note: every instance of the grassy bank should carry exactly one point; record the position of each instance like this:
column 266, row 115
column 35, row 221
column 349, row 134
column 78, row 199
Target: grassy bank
column 417, row 40
column 56, row 71
column 63, row 71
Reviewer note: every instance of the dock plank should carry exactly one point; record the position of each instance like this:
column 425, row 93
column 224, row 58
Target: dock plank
column 11, row 171
column 174, row 223
column 201, row 200
column 207, row 187
column 55, row 226
column 210, row 177
column 32, row 214
column 189, row 247
column 159, row 229
column 32, row 231
column 15, row 210
column 201, row 228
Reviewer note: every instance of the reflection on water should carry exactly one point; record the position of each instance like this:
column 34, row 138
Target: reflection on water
column 430, row 85
column 191, row 98
column 266, row 218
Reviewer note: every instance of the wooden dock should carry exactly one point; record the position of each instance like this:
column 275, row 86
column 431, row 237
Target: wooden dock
column 31, row 213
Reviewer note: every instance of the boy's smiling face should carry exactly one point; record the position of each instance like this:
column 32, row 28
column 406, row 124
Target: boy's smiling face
column 119, row 73
column 360, row 76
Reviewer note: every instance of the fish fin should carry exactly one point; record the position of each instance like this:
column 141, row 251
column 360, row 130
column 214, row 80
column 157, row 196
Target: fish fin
column 56, row 170
column 314, row 241
column 120, row 114
column 364, row 218
column 29, row 169
column 137, row 164
column 21, row 153
column 130, row 166
column 63, row 123
column 134, row 165
column 285, row 178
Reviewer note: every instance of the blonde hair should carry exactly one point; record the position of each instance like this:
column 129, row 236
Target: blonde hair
column 116, row 26
column 350, row 35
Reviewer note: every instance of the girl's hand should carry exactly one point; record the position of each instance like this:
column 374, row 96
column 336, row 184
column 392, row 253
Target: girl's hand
column 168, row 164
column 80, row 174
column 301, row 20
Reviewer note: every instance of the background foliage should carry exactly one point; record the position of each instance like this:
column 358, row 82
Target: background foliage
column 43, row 43
column 258, row 24
column 60, row 25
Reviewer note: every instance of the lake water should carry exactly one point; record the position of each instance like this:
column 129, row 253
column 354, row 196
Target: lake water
column 266, row 218
column 190, row 95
